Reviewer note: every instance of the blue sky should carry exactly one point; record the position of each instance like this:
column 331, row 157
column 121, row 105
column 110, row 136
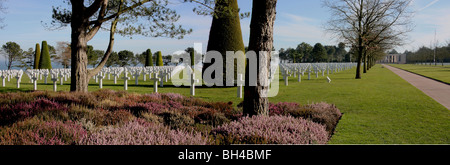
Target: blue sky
column 297, row 21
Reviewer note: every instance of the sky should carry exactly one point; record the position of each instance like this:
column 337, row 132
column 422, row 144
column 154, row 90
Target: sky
column 296, row 21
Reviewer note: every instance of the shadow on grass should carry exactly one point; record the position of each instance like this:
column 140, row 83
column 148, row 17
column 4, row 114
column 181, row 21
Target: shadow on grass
column 7, row 89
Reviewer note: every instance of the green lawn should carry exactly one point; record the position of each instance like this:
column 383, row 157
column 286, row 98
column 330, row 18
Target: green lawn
column 381, row 108
column 441, row 73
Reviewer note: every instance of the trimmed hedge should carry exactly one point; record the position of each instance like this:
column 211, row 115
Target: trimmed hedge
column 159, row 59
column 45, row 62
column 37, row 56
column 225, row 34
column 148, row 58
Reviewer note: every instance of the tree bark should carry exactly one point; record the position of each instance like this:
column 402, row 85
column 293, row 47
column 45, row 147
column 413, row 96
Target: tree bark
column 81, row 34
column 365, row 61
column 261, row 39
column 79, row 74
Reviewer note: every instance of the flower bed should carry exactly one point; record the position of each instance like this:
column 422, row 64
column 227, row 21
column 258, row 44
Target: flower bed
column 108, row 117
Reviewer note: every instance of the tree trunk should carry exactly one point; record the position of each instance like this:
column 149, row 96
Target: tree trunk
column 261, row 39
column 79, row 74
column 365, row 62
column 358, row 68
column 360, row 40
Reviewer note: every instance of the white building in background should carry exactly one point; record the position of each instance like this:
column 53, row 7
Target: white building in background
column 394, row 59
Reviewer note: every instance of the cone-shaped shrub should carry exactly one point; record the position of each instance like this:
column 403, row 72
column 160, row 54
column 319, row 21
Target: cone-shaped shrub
column 225, row 34
column 159, row 60
column 37, row 56
column 148, row 58
column 45, row 62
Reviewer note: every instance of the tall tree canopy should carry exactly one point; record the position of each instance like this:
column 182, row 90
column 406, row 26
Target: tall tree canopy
column 369, row 25
column 63, row 53
column 319, row 53
column 150, row 18
column 125, row 58
column 305, row 49
column 12, row 53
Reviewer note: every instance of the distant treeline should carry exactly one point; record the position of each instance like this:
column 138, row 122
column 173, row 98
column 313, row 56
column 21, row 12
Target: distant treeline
column 306, row 53
column 427, row 55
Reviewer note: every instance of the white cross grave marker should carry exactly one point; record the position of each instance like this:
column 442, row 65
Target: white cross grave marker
column 125, row 79
column 193, row 81
column 136, row 76
column 54, row 79
column 155, row 80
column 3, row 79
column 100, row 77
column 34, row 78
column 240, row 82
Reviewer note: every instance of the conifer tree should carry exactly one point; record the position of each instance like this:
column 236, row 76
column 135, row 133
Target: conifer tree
column 45, row 62
column 148, row 58
column 159, row 60
column 37, row 56
column 225, row 34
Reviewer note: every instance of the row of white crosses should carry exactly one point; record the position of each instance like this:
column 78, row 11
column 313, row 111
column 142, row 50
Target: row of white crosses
column 39, row 74
column 161, row 74
column 299, row 69
column 8, row 74
column 58, row 74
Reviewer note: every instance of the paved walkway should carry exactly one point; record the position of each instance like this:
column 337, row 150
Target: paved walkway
column 436, row 90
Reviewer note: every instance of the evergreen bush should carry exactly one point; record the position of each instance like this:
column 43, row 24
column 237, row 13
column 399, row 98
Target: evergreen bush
column 159, row 60
column 45, row 62
column 37, row 56
column 225, row 34
column 148, row 58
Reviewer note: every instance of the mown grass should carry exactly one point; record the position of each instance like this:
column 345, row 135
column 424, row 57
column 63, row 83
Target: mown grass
column 381, row 108
column 441, row 73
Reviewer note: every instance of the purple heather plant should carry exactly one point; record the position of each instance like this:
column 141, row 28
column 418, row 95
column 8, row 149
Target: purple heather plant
column 12, row 113
column 282, row 108
column 143, row 133
column 35, row 132
column 271, row 130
